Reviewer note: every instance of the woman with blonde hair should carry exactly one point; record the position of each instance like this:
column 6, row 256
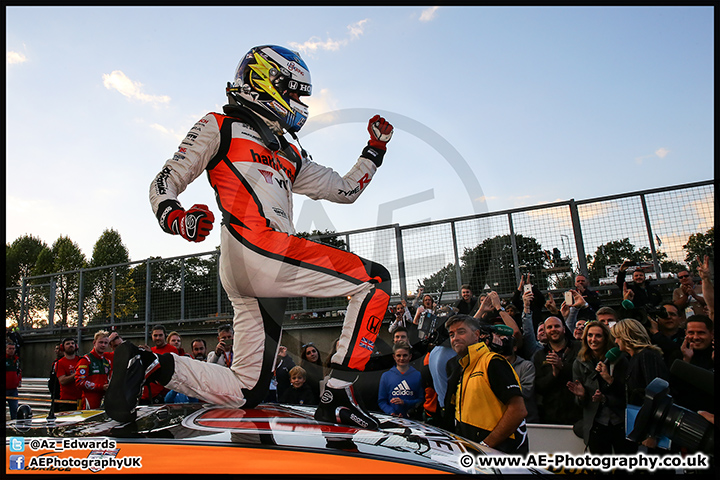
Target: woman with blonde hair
column 599, row 388
column 646, row 363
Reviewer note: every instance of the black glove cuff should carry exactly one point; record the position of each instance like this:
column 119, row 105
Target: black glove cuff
column 164, row 209
column 374, row 154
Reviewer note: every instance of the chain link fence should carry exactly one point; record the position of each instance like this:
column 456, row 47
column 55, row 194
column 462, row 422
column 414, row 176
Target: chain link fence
column 489, row 251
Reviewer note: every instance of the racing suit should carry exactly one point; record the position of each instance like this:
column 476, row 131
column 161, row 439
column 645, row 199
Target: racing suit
column 91, row 376
column 261, row 261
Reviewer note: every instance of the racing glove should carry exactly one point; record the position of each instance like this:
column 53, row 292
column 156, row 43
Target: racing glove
column 381, row 132
column 193, row 225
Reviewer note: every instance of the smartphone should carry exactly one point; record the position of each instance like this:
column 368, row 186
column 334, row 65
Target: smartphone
column 569, row 298
column 527, row 288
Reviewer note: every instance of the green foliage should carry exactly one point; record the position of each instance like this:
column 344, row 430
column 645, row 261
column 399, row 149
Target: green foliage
column 492, row 263
column 326, row 237
column 699, row 245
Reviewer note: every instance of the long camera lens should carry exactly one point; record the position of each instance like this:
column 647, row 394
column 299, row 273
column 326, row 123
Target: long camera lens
column 660, row 417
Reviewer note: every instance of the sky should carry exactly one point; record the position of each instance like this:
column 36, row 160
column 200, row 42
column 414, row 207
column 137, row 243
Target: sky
column 493, row 108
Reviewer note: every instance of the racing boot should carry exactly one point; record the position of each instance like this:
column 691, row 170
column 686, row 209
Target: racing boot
column 132, row 368
column 338, row 405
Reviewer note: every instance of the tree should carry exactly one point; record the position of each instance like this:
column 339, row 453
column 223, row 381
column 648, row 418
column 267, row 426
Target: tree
column 109, row 292
column 64, row 256
column 699, row 245
column 617, row 251
column 492, row 263
column 326, row 237
column 20, row 259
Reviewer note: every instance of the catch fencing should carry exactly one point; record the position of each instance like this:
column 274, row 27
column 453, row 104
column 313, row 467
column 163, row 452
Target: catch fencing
column 489, row 251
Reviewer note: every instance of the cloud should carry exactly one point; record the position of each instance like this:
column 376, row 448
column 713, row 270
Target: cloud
column 117, row 80
column 314, row 44
column 428, row 14
column 321, row 102
column 12, row 58
column 661, row 152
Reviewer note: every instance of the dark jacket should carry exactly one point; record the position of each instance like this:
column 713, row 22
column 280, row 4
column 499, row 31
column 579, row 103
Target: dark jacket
column 642, row 296
column 585, row 372
column 556, row 403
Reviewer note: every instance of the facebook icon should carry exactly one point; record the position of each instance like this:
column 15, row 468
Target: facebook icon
column 17, row 462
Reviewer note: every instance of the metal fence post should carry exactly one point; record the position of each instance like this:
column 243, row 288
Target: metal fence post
column 579, row 243
column 147, row 298
column 513, row 241
column 458, row 270
column 646, row 215
column 401, row 261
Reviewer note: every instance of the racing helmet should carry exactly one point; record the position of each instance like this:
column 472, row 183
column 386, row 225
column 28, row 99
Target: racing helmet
column 266, row 80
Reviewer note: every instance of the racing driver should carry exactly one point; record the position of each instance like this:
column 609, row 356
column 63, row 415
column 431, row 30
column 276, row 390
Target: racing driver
column 254, row 171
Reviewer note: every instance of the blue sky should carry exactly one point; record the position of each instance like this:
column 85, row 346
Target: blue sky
column 494, row 108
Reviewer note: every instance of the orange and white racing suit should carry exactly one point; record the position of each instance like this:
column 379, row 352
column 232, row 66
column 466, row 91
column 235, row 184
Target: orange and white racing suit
column 261, row 261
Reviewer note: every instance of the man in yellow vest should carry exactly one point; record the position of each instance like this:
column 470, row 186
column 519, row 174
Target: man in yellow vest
column 489, row 407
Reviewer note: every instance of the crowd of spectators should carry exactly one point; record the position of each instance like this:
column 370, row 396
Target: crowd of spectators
column 579, row 363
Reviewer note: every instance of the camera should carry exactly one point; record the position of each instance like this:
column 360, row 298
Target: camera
column 660, row 417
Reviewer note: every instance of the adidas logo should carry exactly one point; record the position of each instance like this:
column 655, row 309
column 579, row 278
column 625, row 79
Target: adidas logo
column 402, row 389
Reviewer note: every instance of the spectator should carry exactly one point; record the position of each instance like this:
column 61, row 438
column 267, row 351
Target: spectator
column 606, row 315
column 53, row 384
column 299, row 392
column 12, row 333
column 489, row 406
column 697, row 349
column 160, row 341
column 537, row 301
column 591, row 297
column 708, row 293
column 199, row 349
column 531, row 341
column 579, row 328
column 646, row 364
column 154, row 392
column 313, row 366
column 688, row 297
column 368, row 382
column 468, row 304
column 643, row 293
column 428, row 306
column 93, row 371
column 402, row 317
column 666, row 333
column 175, row 340
column 571, row 313
column 176, row 397
column 600, row 390
column 431, row 405
column 114, row 340
column 401, row 387
column 13, row 377
column 525, row 370
column 65, row 372
column 283, row 365
column 223, row 353
column 437, row 363
column 553, row 370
